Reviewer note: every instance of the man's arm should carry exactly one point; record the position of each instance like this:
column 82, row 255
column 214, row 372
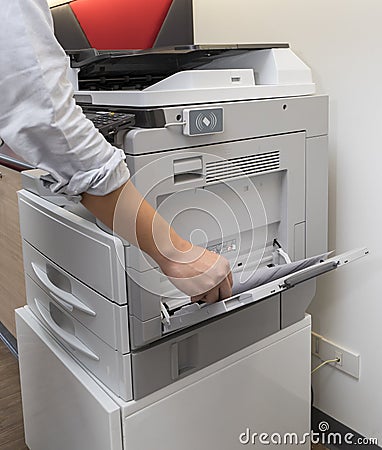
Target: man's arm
column 40, row 121
column 195, row 271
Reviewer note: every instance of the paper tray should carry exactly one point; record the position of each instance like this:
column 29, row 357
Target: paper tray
column 196, row 313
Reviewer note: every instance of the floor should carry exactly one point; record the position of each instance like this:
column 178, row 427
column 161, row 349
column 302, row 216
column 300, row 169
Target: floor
column 11, row 420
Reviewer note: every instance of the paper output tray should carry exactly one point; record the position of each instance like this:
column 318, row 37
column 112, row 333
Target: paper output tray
column 195, row 313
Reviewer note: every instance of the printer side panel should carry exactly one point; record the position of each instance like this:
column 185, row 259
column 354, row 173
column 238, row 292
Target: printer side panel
column 316, row 195
column 233, row 197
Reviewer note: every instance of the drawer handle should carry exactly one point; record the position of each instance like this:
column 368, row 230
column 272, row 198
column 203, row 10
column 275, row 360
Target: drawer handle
column 65, row 299
column 71, row 340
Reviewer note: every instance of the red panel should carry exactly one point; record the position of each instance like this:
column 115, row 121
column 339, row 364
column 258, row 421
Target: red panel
column 121, row 24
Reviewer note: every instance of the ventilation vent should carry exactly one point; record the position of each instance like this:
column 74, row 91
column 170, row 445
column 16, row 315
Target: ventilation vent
column 245, row 165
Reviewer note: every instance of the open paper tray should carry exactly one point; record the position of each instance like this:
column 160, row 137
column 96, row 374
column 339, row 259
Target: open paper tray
column 195, row 313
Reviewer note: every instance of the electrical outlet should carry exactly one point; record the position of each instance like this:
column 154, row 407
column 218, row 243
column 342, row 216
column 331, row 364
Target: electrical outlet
column 338, row 355
column 324, row 349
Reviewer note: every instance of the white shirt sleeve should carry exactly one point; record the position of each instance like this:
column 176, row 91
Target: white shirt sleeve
column 39, row 119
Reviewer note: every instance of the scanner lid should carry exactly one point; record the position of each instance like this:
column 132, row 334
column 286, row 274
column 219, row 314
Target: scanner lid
column 138, row 69
column 188, row 74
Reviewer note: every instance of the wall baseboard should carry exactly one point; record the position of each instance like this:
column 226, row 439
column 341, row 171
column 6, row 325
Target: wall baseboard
column 9, row 340
column 334, row 427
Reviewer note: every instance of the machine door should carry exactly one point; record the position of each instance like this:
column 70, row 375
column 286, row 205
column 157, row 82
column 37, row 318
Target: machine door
column 254, row 290
column 63, row 407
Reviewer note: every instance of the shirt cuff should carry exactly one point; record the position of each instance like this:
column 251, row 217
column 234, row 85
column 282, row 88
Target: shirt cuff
column 98, row 181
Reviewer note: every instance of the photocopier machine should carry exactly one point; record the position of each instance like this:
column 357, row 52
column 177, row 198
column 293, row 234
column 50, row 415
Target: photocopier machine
column 229, row 144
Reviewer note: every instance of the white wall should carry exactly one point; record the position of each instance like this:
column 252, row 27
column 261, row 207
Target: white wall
column 342, row 42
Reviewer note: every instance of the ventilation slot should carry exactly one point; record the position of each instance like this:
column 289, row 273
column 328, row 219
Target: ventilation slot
column 243, row 166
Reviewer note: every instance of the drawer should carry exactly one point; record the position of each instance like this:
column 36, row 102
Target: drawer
column 64, row 408
column 76, row 244
column 102, row 317
column 111, row 367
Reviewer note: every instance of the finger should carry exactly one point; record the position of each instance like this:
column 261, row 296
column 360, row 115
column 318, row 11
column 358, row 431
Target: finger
column 230, row 279
column 197, row 298
column 212, row 296
column 225, row 289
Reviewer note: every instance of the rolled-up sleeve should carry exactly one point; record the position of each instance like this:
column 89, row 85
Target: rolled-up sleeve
column 39, row 118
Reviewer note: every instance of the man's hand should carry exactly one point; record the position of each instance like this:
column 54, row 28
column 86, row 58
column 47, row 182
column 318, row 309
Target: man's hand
column 197, row 272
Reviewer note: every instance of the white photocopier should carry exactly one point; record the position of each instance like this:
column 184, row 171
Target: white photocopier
column 229, row 144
